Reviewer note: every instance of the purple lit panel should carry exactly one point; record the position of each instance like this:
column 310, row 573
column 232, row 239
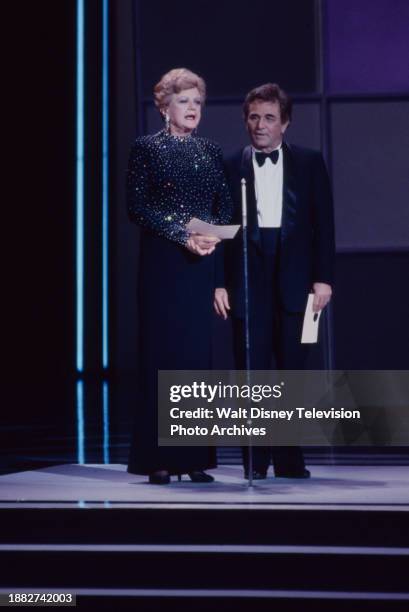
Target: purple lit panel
column 368, row 46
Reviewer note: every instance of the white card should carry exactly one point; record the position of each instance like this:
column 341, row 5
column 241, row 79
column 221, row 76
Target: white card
column 310, row 326
column 208, row 229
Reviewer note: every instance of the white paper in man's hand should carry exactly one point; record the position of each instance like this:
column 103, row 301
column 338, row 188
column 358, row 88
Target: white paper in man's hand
column 310, row 326
column 208, row 229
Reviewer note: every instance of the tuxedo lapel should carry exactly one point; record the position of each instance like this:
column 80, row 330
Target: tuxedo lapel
column 289, row 193
column 247, row 172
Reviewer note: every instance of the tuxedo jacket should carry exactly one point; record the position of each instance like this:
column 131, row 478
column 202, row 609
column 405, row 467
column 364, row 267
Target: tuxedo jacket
column 307, row 242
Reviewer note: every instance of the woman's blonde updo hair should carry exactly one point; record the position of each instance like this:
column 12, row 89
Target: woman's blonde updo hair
column 175, row 81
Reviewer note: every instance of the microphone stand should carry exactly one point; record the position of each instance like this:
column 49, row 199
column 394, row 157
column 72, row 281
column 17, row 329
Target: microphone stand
column 246, row 316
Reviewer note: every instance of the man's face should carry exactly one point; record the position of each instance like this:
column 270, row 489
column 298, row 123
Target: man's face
column 264, row 125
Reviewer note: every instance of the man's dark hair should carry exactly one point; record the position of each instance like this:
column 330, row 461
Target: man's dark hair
column 270, row 92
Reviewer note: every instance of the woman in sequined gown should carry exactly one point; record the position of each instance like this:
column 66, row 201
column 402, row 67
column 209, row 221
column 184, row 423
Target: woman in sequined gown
column 174, row 176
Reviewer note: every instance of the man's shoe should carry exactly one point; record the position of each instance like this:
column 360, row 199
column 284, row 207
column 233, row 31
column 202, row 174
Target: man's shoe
column 199, row 476
column 256, row 475
column 304, row 473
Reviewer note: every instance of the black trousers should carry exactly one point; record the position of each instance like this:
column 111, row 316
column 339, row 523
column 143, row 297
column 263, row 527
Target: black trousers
column 274, row 340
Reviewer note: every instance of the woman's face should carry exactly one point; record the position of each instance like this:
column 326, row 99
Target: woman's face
column 184, row 111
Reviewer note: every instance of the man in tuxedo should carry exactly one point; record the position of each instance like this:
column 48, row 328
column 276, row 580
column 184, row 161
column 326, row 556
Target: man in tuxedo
column 291, row 252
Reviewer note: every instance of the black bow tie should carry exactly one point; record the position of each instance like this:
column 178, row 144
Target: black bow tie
column 261, row 157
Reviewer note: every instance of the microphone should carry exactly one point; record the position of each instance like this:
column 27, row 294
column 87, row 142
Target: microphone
column 246, row 312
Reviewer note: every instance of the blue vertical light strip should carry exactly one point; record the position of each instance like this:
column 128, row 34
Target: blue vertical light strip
column 80, row 189
column 105, row 421
column 80, row 423
column 105, row 180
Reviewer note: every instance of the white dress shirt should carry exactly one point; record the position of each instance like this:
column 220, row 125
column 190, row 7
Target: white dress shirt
column 268, row 186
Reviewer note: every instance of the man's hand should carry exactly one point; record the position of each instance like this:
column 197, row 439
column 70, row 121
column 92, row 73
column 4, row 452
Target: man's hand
column 221, row 302
column 322, row 295
column 199, row 244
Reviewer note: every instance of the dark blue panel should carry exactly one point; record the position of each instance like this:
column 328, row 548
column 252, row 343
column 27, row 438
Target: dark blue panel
column 368, row 45
column 234, row 45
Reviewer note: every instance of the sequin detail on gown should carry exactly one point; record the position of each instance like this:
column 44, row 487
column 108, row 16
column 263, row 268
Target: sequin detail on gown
column 172, row 179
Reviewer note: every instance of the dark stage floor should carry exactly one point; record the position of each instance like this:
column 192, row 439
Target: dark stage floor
column 340, row 486
column 335, row 542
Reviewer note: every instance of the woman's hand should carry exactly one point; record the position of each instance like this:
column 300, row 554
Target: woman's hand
column 199, row 244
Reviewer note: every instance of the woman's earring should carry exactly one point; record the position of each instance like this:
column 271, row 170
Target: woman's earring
column 167, row 122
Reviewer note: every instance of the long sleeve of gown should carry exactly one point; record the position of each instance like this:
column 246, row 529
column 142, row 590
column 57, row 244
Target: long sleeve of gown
column 143, row 207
